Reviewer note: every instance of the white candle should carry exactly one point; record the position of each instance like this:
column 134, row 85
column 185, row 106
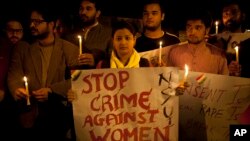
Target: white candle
column 216, row 27
column 237, row 53
column 80, row 44
column 160, row 48
column 27, row 89
column 186, row 73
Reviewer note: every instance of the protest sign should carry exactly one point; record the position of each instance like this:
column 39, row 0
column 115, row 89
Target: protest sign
column 207, row 109
column 126, row 104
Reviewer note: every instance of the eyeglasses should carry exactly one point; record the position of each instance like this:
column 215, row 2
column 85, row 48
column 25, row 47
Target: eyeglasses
column 36, row 22
column 11, row 30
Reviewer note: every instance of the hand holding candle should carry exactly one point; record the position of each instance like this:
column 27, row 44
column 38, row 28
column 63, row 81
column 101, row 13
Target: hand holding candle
column 80, row 44
column 160, row 48
column 27, row 89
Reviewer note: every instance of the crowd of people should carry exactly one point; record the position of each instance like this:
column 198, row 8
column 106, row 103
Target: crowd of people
column 52, row 51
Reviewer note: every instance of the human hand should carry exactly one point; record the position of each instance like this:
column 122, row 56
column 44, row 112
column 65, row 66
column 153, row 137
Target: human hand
column 181, row 88
column 20, row 93
column 71, row 95
column 234, row 68
column 86, row 59
column 42, row 94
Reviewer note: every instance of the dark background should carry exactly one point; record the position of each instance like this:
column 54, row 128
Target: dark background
column 175, row 9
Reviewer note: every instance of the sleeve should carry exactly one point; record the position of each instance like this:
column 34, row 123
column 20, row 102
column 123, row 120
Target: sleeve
column 71, row 53
column 15, row 72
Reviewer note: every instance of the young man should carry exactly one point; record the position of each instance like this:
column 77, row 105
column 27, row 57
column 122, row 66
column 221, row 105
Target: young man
column 197, row 53
column 14, row 31
column 46, row 64
column 153, row 15
column 233, row 33
column 95, row 36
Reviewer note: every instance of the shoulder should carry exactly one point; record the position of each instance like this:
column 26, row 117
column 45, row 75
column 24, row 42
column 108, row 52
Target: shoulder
column 65, row 42
column 215, row 50
column 179, row 46
column 141, row 37
column 103, row 28
column 172, row 36
column 22, row 45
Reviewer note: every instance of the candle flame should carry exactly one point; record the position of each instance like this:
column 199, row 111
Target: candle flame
column 216, row 23
column 186, row 70
column 25, row 79
column 236, row 48
column 160, row 43
column 79, row 36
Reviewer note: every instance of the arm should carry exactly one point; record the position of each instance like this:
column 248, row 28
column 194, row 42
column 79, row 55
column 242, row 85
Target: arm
column 223, row 67
column 16, row 73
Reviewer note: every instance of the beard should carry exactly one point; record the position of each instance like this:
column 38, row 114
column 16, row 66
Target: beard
column 40, row 36
column 232, row 25
column 87, row 21
column 14, row 39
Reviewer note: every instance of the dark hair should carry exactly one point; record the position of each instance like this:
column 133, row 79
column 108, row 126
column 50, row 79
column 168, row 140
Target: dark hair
column 15, row 18
column 97, row 3
column 200, row 14
column 121, row 24
column 159, row 2
column 233, row 2
column 47, row 11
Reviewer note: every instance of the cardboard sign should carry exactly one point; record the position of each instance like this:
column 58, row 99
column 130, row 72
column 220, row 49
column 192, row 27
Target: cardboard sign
column 126, row 104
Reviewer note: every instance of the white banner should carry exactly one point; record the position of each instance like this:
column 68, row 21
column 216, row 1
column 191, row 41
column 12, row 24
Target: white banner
column 126, row 105
column 209, row 106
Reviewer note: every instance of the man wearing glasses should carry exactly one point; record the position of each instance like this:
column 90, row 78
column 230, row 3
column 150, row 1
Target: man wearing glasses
column 14, row 31
column 45, row 63
column 13, row 34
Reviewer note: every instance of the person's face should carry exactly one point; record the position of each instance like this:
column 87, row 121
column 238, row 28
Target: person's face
column 38, row 26
column 14, row 31
column 88, row 13
column 123, row 42
column 231, row 16
column 196, row 31
column 152, row 16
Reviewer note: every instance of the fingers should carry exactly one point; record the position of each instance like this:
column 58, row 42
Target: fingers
column 71, row 95
column 234, row 68
column 86, row 59
column 41, row 94
column 20, row 93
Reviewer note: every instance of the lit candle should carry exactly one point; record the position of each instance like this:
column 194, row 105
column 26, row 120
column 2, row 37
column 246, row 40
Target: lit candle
column 236, row 48
column 27, row 89
column 80, row 44
column 160, row 52
column 186, row 73
column 216, row 27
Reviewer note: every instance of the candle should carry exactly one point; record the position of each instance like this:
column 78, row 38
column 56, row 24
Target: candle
column 216, row 27
column 80, row 44
column 236, row 48
column 160, row 52
column 186, row 73
column 27, row 89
